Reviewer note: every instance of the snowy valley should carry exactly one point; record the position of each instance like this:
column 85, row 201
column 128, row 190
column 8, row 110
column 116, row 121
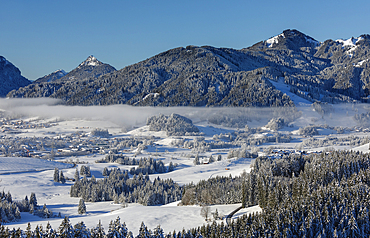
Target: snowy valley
column 39, row 137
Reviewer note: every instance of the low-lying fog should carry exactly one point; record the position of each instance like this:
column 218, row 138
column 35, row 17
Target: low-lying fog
column 129, row 116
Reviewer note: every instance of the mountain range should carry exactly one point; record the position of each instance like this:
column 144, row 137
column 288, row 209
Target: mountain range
column 331, row 71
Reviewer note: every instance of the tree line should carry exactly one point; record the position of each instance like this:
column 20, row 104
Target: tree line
column 10, row 210
column 118, row 187
column 145, row 165
column 325, row 195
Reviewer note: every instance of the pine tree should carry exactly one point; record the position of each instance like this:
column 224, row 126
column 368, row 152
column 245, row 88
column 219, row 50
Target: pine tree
column 143, row 231
column 61, row 178
column 116, row 229
column 211, row 159
column 196, row 160
column 80, row 230
column 25, row 205
column 46, row 212
column 83, row 170
column 215, row 215
column 33, row 200
column 38, row 232
column 105, row 172
column 77, row 175
column 112, row 230
column 353, row 230
column 9, row 197
column 56, row 175
column 65, row 229
column 171, row 167
column 17, row 214
column 98, row 231
column 219, row 158
column 88, row 172
column 81, row 207
column 29, row 232
column 122, row 200
column 32, row 208
column 158, row 232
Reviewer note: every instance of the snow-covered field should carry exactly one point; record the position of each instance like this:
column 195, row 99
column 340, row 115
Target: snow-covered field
column 10, row 165
column 21, row 176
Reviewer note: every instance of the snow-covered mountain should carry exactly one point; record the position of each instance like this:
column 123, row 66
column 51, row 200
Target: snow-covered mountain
column 10, row 77
column 51, row 77
column 330, row 71
column 92, row 61
column 90, row 68
column 291, row 39
column 49, row 85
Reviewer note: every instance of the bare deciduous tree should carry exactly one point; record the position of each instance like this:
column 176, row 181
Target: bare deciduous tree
column 205, row 212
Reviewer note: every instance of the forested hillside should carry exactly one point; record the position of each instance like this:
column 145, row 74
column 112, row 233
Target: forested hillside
column 330, row 71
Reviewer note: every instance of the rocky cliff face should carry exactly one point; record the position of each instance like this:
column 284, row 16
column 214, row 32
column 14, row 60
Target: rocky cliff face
column 10, row 77
column 331, row 71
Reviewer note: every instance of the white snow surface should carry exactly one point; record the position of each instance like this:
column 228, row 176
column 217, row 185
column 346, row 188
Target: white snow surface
column 90, row 61
column 362, row 148
column 151, row 94
column 170, row 216
column 274, row 40
column 359, row 64
column 350, row 44
column 24, row 164
column 284, row 88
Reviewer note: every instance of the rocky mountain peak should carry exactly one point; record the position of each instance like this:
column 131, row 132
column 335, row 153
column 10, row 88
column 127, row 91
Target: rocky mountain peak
column 291, row 39
column 10, row 77
column 90, row 61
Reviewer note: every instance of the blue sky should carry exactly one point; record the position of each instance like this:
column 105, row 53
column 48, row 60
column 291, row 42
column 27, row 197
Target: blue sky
column 40, row 37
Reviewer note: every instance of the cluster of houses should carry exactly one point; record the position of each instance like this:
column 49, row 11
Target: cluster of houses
column 280, row 153
column 14, row 126
column 50, row 147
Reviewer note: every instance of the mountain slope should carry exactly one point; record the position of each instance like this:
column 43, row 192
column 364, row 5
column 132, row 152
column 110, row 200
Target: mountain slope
column 71, row 82
column 51, row 77
column 10, row 77
column 90, row 68
column 332, row 71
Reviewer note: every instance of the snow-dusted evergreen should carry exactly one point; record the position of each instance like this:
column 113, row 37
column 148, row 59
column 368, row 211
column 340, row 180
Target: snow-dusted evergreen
column 10, row 210
column 173, row 125
column 118, row 186
column 100, row 132
column 81, row 207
